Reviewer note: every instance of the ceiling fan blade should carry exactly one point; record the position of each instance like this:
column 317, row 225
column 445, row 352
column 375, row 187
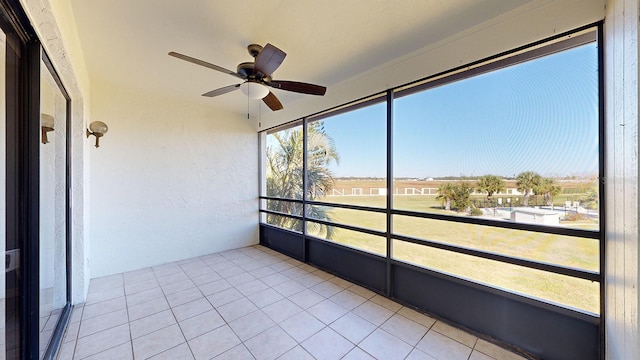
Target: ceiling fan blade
column 269, row 59
column 298, row 87
column 222, row 90
column 205, row 64
column 272, row 102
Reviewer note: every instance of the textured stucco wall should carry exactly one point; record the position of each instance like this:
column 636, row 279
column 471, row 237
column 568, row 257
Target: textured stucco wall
column 185, row 187
column 170, row 181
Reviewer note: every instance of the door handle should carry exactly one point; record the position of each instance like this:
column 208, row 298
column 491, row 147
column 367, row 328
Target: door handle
column 11, row 260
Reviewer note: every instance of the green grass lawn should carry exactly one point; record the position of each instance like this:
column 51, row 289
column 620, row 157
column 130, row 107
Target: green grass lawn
column 556, row 249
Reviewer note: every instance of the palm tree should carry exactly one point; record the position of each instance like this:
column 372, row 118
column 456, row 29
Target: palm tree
column 446, row 193
column 548, row 188
column 526, row 181
column 321, row 151
column 491, row 184
column 284, row 174
column 554, row 190
column 462, row 196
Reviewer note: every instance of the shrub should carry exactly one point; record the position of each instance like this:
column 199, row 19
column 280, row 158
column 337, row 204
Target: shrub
column 475, row 211
column 575, row 217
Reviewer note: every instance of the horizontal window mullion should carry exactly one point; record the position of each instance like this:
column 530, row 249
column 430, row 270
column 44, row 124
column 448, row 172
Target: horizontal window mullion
column 280, row 228
column 342, row 246
column 351, row 106
column 573, row 272
column 503, row 224
column 280, row 199
column 347, row 206
column 483, row 67
column 297, row 217
column 285, row 126
column 348, row 227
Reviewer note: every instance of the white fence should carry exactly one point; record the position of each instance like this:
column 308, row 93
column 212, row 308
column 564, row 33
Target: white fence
column 377, row 191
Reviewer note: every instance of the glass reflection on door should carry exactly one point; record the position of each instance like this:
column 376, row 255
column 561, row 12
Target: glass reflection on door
column 9, row 221
column 53, row 206
column 4, row 304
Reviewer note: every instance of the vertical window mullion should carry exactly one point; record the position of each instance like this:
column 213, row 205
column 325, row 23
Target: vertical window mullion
column 389, row 187
column 305, row 183
column 601, row 182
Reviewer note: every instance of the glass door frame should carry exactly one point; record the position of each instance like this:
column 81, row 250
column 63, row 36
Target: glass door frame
column 23, row 159
column 56, row 338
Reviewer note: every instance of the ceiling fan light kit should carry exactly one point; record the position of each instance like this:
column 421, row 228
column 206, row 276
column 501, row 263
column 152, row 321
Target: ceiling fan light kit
column 254, row 90
column 257, row 76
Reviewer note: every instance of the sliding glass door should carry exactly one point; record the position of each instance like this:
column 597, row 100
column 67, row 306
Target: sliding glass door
column 34, row 212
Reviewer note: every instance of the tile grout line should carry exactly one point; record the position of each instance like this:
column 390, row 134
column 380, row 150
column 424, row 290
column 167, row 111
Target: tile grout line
column 105, row 329
column 293, row 277
column 260, row 309
column 178, row 323
column 172, row 314
column 126, row 305
column 109, row 348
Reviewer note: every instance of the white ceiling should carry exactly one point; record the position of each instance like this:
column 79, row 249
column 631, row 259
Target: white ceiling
column 126, row 42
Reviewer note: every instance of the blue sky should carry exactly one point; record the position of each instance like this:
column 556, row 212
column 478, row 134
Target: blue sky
column 541, row 116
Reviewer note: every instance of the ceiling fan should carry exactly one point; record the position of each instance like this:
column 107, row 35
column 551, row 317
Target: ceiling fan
column 257, row 76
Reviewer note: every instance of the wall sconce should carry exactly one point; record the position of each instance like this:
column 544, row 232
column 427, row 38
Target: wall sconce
column 97, row 129
column 46, row 124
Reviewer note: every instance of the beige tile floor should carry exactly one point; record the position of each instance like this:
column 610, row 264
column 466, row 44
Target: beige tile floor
column 254, row 303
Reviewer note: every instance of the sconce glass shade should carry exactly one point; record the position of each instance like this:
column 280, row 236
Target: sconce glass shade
column 254, row 90
column 98, row 127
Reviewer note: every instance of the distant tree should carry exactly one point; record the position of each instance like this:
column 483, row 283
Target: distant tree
column 526, row 181
column 284, row 173
column 591, row 200
column 446, row 193
column 462, row 196
column 491, row 184
column 548, row 188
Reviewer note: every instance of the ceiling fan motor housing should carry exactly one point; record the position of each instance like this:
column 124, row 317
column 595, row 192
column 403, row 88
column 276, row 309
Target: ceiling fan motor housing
column 246, row 69
column 254, row 49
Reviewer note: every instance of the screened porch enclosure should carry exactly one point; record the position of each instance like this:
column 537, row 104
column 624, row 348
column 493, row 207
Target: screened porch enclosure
column 474, row 195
